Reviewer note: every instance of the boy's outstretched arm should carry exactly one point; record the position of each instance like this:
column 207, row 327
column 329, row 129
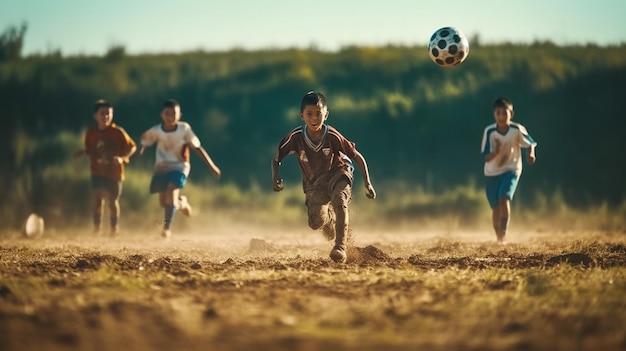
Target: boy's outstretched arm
column 360, row 162
column 277, row 181
column 209, row 162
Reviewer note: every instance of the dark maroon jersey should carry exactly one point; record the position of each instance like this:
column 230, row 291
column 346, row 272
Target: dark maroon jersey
column 318, row 160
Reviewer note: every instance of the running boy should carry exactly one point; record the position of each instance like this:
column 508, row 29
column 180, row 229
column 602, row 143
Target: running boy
column 109, row 147
column 501, row 146
column 324, row 156
column 171, row 169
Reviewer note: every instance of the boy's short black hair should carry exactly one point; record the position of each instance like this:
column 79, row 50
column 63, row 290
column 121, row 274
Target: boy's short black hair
column 503, row 102
column 101, row 103
column 312, row 98
column 170, row 103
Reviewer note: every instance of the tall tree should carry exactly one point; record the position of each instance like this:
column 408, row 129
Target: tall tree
column 11, row 42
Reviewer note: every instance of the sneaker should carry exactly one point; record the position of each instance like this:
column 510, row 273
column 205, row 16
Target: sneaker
column 166, row 233
column 184, row 206
column 338, row 254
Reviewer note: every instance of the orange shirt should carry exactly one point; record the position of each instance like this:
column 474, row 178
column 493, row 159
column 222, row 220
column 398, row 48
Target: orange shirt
column 102, row 145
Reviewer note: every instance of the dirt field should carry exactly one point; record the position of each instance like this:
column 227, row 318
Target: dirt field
column 251, row 289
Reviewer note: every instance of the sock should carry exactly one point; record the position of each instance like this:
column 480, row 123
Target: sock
column 169, row 216
column 504, row 225
column 114, row 222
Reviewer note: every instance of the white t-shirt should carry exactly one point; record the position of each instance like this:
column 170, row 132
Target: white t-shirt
column 509, row 159
column 172, row 151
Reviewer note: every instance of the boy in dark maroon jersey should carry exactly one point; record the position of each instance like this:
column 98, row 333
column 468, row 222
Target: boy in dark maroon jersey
column 325, row 158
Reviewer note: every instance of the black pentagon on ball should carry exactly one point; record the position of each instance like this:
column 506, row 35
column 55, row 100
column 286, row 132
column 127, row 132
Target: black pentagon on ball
column 461, row 54
column 442, row 44
column 449, row 60
column 434, row 52
column 444, row 32
column 456, row 38
column 453, row 49
column 439, row 61
column 433, row 36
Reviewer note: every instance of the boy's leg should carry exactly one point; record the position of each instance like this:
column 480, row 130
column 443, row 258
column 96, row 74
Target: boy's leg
column 168, row 186
column 99, row 194
column 506, row 190
column 113, row 194
column 495, row 219
column 97, row 211
column 340, row 198
column 504, row 217
column 328, row 229
column 319, row 212
column 166, row 199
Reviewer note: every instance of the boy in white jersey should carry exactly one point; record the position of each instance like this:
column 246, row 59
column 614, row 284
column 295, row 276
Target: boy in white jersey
column 325, row 159
column 501, row 148
column 171, row 169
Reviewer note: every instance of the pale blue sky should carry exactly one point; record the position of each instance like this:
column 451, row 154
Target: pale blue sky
column 90, row 27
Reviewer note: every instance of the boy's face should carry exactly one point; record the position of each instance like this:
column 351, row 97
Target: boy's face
column 503, row 116
column 103, row 117
column 314, row 117
column 170, row 116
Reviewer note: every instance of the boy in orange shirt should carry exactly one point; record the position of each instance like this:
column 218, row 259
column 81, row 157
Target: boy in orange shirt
column 109, row 147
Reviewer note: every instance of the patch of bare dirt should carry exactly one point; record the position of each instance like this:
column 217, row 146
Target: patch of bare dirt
column 259, row 294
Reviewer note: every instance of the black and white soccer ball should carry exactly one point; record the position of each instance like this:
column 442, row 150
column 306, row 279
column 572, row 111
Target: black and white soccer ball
column 448, row 47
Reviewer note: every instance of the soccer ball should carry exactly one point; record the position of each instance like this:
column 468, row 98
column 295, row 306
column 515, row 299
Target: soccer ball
column 34, row 226
column 448, row 47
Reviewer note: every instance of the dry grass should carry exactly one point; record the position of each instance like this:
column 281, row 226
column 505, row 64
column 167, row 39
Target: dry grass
column 401, row 290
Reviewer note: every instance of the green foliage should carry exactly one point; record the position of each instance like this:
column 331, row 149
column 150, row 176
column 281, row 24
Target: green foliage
column 11, row 42
column 415, row 123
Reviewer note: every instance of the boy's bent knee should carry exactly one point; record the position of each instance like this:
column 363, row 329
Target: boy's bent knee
column 318, row 216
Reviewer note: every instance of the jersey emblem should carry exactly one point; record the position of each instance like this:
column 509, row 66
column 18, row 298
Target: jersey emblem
column 303, row 157
column 326, row 151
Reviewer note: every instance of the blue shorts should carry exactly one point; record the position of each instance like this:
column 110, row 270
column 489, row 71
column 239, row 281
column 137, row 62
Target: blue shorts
column 160, row 182
column 502, row 185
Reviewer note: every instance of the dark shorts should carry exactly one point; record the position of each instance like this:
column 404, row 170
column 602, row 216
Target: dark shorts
column 113, row 188
column 321, row 192
column 502, row 185
column 160, row 182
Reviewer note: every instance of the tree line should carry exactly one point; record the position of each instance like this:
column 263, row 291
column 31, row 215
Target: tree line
column 414, row 121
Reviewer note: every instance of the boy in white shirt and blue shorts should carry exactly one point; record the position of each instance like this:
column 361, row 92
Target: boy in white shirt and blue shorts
column 501, row 148
column 174, row 139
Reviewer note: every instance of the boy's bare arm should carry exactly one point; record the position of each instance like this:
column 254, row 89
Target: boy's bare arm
column 531, row 155
column 124, row 158
column 277, row 181
column 130, row 152
column 209, row 162
column 493, row 153
column 360, row 162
